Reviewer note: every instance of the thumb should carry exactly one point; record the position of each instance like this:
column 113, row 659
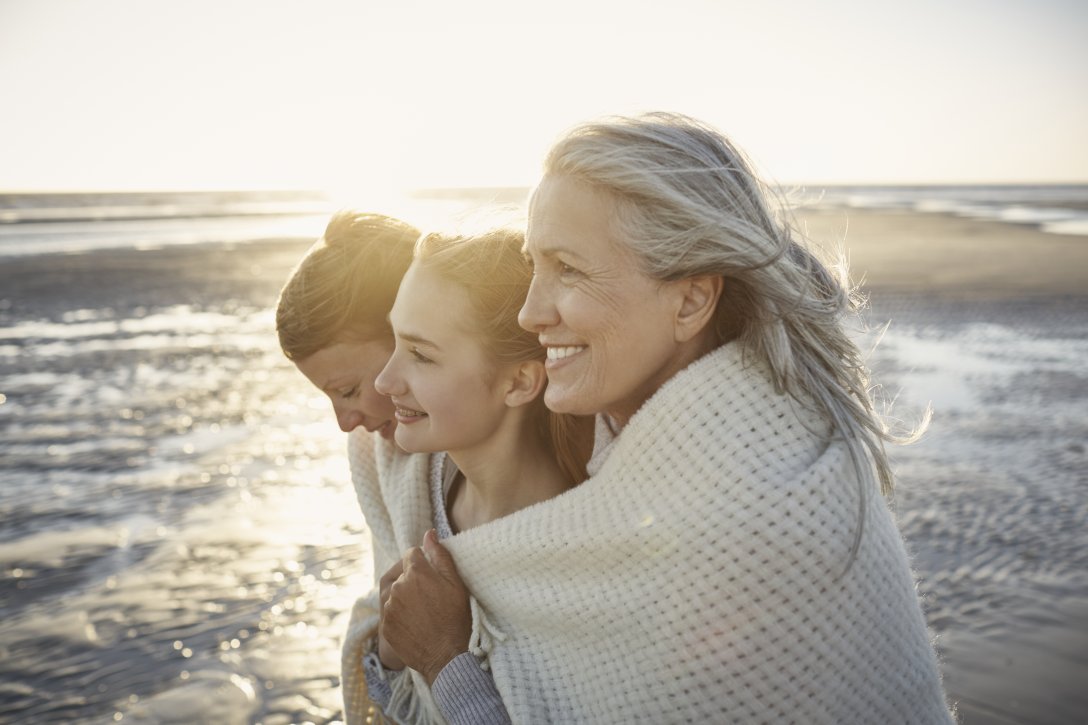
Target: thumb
column 439, row 556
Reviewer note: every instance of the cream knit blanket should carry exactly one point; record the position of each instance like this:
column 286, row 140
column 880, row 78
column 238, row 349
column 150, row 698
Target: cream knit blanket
column 393, row 493
column 694, row 577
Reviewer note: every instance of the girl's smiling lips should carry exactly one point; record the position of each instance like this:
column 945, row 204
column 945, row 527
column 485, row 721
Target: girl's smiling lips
column 407, row 415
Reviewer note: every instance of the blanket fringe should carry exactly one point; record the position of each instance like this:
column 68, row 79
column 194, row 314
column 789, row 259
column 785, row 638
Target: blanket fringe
column 411, row 700
column 484, row 634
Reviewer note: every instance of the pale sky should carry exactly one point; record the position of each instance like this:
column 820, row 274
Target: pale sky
column 363, row 95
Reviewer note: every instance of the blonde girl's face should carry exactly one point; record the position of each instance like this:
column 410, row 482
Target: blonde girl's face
column 445, row 390
column 345, row 373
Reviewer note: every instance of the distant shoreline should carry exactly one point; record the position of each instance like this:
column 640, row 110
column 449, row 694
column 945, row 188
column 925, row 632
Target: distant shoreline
column 951, row 255
column 977, row 241
column 888, row 251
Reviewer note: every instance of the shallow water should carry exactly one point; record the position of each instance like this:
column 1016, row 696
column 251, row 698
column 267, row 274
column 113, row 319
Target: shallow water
column 993, row 501
column 181, row 542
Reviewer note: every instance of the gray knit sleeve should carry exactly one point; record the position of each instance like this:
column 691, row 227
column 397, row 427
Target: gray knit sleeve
column 379, row 681
column 466, row 693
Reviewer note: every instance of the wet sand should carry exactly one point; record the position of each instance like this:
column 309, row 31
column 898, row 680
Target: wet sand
column 989, row 324
column 184, row 541
column 953, row 256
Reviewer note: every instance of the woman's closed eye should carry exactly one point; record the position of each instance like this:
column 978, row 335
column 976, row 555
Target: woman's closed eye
column 349, row 393
column 419, row 357
column 566, row 270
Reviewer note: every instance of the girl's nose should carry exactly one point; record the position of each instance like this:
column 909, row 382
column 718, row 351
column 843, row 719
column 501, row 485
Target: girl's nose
column 388, row 382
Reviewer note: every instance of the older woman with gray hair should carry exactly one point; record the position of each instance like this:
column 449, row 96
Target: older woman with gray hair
column 731, row 558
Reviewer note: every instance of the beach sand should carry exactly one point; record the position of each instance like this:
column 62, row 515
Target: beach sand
column 987, row 322
column 178, row 508
column 952, row 256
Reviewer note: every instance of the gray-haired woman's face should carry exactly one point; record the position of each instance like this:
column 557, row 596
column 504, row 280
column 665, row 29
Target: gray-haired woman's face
column 608, row 327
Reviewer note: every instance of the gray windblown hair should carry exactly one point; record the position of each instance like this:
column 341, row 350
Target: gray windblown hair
column 689, row 204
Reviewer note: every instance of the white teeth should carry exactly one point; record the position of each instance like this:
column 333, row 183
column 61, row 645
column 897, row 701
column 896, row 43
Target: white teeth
column 558, row 353
column 409, row 413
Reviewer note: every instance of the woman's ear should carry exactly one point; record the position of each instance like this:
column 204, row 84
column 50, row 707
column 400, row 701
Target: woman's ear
column 525, row 382
column 698, row 300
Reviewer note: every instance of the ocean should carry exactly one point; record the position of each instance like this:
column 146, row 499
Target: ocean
column 180, row 540
column 52, row 223
column 1055, row 208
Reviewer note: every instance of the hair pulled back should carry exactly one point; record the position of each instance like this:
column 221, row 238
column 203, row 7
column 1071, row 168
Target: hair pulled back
column 493, row 271
column 345, row 285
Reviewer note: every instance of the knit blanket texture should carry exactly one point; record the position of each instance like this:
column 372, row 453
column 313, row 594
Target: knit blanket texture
column 697, row 576
column 393, row 492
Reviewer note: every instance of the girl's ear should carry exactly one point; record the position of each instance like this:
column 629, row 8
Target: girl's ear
column 525, row 382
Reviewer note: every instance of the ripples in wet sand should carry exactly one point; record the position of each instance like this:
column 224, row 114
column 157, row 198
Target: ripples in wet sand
column 181, row 542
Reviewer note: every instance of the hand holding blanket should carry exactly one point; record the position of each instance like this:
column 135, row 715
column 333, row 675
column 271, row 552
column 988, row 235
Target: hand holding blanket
column 695, row 576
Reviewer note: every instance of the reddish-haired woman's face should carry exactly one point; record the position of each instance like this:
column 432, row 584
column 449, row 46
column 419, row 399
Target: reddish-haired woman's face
column 345, row 372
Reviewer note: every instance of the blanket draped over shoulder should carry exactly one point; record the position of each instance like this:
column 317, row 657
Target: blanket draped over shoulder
column 393, row 494
column 698, row 574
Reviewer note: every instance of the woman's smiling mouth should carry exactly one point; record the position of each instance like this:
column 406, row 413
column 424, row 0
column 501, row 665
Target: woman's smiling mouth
column 560, row 352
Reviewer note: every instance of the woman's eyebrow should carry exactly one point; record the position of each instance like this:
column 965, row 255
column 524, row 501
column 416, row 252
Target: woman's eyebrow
column 552, row 250
column 335, row 383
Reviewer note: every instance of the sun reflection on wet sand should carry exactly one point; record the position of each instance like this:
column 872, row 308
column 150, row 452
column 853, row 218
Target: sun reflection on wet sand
column 250, row 584
column 181, row 541
column 190, row 545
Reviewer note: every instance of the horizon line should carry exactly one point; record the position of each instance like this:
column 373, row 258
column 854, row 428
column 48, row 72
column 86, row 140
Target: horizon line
column 431, row 189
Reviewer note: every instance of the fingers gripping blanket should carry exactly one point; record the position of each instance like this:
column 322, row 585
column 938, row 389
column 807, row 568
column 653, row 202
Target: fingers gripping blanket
column 697, row 575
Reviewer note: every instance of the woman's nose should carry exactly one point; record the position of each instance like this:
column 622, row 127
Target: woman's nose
column 538, row 312
column 347, row 419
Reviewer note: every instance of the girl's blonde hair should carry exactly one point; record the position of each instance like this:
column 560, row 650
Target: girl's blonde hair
column 492, row 269
column 689, row 204
column 344, row 287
